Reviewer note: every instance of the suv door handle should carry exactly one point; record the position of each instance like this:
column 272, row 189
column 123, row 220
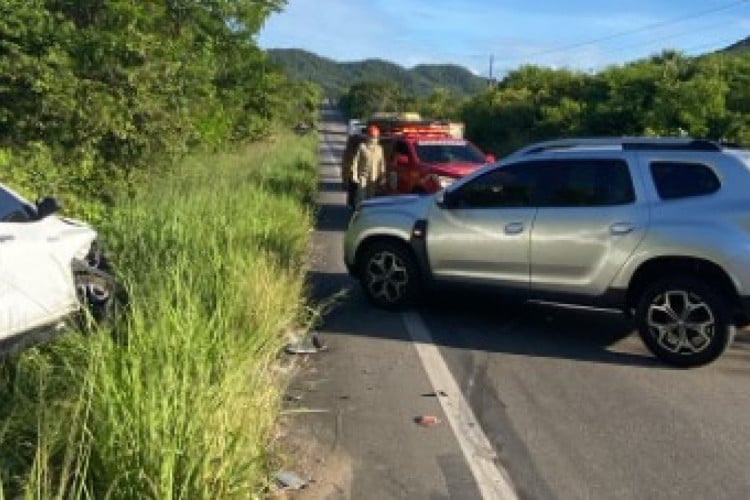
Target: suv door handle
column 621, row 228
column 514, row 228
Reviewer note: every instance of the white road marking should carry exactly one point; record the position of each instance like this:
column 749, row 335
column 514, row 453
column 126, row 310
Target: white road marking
column 492, row 479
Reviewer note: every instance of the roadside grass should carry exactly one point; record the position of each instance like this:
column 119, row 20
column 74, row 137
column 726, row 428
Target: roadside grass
column 181, row 401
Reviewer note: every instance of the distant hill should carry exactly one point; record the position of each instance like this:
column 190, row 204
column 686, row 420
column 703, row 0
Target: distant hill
column 336, row 78
column 742, row 45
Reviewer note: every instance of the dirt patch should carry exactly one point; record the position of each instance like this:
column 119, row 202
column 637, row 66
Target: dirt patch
column 327, row 468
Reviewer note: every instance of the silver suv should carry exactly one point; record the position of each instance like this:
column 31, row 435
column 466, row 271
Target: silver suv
column 657, row 228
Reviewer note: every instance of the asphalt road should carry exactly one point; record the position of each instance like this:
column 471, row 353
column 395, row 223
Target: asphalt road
column 571, row 402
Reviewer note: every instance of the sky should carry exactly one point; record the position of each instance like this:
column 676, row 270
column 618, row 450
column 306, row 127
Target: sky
column 585, row 35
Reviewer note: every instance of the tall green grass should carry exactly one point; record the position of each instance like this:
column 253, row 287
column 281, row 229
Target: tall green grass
column 182, row 404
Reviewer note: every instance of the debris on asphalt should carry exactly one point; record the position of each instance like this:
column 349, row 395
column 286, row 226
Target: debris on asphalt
column 317, row 342
column 310, row 344
column 300, row 349
column 442, row 394
column 426, row 420
column 290, row 481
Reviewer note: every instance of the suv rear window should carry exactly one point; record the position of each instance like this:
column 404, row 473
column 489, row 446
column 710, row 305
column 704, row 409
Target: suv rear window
column 675, row 180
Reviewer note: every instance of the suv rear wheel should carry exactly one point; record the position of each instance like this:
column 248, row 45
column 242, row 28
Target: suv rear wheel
column 389, row 275
column 684, row 322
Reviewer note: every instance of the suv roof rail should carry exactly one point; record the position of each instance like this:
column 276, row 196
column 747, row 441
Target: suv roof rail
column 626, row 143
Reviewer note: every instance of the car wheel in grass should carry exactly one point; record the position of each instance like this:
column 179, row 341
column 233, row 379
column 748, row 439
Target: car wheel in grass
column 97, row 292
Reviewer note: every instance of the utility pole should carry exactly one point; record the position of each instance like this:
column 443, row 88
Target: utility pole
column 491, row 81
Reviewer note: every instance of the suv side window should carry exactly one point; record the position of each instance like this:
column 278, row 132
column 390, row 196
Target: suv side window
column 11, row 208
column 585, row 183
column 682, row 180
column 503, row 187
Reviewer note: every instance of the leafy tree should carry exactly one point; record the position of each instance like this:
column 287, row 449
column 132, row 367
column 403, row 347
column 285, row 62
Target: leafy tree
column 667, row 94
column 92, row 91
column 367, row 97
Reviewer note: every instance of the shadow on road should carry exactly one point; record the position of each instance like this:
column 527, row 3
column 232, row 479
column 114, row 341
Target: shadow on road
column 330, row 187
column 332, row 217
column 492, row 323
column 486, row 323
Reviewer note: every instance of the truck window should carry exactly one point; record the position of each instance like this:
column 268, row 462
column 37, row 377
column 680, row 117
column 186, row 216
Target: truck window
column 436, row 152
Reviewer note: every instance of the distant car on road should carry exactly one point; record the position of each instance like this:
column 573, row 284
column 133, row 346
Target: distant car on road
column 49, row 267
column 657, row 228
column 355, row 127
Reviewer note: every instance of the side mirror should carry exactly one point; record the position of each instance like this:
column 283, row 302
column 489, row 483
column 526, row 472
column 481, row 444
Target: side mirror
column 47, row 206
column 402, row 160
column 490, row 158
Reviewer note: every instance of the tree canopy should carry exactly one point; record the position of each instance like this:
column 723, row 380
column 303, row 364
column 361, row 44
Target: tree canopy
column 93, row 90
column 664, row 95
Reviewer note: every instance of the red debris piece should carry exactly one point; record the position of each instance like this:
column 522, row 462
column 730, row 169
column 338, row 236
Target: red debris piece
column 426, row 420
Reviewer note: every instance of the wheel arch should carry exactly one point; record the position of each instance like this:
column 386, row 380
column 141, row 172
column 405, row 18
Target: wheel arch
column 660, row 267
column 374, row 239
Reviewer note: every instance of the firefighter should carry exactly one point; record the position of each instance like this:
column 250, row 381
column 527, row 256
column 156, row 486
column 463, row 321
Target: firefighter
column 368, row 166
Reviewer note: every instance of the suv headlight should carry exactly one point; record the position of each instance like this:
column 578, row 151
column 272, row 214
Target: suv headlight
column 445, row 181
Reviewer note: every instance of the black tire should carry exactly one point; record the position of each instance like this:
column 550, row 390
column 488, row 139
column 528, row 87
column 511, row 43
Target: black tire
column 684, row 322
column 98, row 292
column 393, row 262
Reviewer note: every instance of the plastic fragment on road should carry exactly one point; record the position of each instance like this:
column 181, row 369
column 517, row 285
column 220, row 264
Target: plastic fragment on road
column 310, row 345
column 426, row 420
column 289, row 481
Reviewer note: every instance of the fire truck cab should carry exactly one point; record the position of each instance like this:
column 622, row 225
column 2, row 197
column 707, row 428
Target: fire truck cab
column 424, row 157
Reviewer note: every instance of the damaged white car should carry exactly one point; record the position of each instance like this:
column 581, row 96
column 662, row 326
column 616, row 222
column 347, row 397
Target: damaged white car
column 50, row 267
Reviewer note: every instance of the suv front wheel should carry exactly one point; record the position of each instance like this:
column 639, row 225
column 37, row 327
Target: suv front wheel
column 389, row 275
column 684, row 322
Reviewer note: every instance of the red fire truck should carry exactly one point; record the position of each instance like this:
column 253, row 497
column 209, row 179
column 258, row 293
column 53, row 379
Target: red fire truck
column 426, row 156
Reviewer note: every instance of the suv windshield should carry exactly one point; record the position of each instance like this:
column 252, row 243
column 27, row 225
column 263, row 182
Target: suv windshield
column 448, row 152
column 13, row 209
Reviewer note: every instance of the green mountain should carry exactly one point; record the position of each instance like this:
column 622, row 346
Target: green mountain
column 336, row 78
column 741, row 46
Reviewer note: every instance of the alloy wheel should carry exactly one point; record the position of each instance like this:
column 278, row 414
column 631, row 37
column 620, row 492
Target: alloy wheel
column 387, row 277
column 681, row 322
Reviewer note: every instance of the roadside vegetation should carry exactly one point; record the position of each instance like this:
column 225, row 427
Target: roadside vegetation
column 95, row 96
column 667, row 94
column 164, row 125
column 180, row 398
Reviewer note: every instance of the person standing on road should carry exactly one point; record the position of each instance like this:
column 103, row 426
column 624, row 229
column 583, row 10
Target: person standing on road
column 368, row 167
column 348, row 181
